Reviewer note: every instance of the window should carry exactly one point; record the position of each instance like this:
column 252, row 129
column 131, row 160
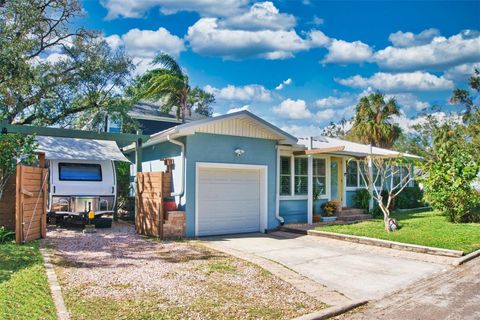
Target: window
column 363, row 171
column 377, row 179
column 301, row 176
column 319, row 176
column 352, row 174
column 285, row 176
column 80, row 172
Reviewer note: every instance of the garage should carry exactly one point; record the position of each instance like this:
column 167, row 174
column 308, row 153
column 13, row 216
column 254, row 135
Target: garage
column 230, row 199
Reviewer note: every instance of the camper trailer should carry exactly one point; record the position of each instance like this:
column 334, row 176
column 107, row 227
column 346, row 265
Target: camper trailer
column 82, row 178
column 80, row 186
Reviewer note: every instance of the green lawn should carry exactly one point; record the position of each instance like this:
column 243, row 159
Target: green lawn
column 424, row 228
column 24, row 291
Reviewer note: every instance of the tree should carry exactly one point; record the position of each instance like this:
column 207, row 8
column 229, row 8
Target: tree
column 201, row 101
column 335, row 130
column 51, row 73
column 371, row 124
column 169, row 84
column 15, row 149
column 388, row 177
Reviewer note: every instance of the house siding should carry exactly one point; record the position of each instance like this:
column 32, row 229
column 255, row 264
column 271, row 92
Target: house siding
column 203, row 147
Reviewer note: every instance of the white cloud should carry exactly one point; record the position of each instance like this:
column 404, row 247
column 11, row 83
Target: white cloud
column 284, row 84
column 317, row 21
column 137, row 8
column 260, row 16
column 409, row 39
column 56, row 57
column 407, row 124
column 303, row 131
column 332, row 101
column 461, row 72
column 398, row 82
column 143, row 45
column 340, row 51
column 326, row 115
column 147, row 43
column 244, row 108
column 252, row 92
column 208, row 37
column 292, row 109
column 408, row 101
column 439, row 52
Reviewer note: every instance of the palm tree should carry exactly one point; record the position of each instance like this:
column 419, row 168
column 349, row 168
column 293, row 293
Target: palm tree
column 168, row 84
column 371, row 124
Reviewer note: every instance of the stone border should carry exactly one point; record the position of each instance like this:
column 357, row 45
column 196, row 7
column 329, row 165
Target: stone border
column 387, row 244
column 468, row 257
column 56, row 290
column 332, row 311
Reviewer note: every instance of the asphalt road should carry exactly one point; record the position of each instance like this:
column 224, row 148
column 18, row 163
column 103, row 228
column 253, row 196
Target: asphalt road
column 453, row 294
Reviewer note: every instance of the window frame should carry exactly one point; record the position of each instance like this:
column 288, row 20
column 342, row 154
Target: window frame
column 73, row 164
column 292, row 195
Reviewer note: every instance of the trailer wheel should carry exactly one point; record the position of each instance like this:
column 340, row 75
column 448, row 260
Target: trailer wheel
column 101, row 223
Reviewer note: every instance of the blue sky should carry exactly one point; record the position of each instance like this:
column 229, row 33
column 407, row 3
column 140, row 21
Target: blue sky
column 301, row 64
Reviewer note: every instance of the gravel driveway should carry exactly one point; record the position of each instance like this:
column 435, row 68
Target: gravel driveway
column 116, row 274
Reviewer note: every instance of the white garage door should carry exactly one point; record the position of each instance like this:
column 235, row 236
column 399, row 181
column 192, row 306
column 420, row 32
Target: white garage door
column 228, row 201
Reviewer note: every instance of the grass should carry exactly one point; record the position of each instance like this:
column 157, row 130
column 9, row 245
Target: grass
column 24, row 290
column 422, row 228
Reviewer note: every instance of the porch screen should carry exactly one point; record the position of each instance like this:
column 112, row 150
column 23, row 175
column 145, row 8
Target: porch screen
column 319, row 176
column 352, row 174
column 285, row 176
column 301, row 176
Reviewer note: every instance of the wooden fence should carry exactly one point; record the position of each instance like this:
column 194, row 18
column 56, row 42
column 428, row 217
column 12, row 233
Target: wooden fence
column 31, row 203
column 24, row 204
column 152, row 187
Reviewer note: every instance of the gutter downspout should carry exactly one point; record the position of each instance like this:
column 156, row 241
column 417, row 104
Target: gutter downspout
column 277, row 193
column 182, row 154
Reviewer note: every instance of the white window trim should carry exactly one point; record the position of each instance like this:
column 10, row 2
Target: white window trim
column 292, row 195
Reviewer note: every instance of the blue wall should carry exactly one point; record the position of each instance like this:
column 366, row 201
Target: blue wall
column 350, row 202
column 295, row 211
column 202, row 147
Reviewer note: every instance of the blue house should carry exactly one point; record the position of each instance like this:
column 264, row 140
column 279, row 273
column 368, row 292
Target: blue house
column 237, row 173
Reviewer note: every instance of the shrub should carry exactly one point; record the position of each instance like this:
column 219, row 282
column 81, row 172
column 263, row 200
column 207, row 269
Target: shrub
column 410, row 198
column 5, row 235
column 362, row 199
column 329, row 208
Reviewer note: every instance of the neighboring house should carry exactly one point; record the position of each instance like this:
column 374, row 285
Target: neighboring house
column 152, row 120
column 238, row 173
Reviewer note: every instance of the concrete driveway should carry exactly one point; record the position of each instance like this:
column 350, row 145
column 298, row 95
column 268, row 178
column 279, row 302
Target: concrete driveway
column 355, row 270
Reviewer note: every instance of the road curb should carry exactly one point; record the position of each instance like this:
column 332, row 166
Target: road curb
column 468, row 257
column 388, row 244
column 55, row 289
column 332, row 311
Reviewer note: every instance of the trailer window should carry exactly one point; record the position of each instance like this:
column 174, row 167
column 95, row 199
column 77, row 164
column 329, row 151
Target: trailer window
column 80, row 172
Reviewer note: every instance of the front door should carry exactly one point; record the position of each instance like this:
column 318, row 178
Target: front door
column 336, row 179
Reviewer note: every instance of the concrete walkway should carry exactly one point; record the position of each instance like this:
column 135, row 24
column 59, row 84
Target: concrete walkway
column 360, row 272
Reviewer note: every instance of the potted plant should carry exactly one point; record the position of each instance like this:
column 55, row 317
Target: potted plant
column 329, row 209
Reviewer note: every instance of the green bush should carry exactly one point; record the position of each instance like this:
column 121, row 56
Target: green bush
column 410, row 198
column 5, row 235
column 362, row 199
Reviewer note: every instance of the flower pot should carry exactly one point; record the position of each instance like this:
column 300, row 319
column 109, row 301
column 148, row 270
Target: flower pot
column 329, row 219
column 316, row 218
column 169, row 205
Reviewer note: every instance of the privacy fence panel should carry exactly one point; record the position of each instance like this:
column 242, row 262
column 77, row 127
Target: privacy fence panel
column 30, row 203
column 151, row 190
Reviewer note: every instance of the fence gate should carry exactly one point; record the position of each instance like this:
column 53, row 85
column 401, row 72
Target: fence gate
column 30, row 203
column 152, row 187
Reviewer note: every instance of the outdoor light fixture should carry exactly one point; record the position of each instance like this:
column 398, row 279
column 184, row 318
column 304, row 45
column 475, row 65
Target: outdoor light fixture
column 239, row 152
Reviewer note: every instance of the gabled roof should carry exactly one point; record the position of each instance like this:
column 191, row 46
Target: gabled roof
column 242, row 123
column 152, row 111
column 352, row 148
column 56, row 148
